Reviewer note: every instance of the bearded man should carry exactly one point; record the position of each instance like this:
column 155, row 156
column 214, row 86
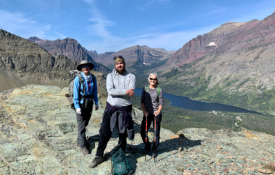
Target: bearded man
column 120, row 87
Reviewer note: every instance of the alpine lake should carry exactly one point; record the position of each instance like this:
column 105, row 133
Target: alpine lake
column 182, row 112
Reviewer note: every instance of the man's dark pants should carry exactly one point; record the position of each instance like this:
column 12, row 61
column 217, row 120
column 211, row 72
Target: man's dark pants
column 150, row 118
column 105, row 135
column 82, row 122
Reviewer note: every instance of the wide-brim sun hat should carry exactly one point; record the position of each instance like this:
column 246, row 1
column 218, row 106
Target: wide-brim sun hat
column 84, row 62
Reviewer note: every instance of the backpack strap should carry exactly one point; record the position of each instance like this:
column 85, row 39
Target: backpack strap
column 158, row 90
column 93, row 78
column 146, row 88
column 81, row 82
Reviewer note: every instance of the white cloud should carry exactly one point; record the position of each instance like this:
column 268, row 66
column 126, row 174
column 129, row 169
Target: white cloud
column 168, row 41
column 260, row 14
column 172, row 40
column 100, row 24
column 60, row 35
column 99, row 28
column 18, row 24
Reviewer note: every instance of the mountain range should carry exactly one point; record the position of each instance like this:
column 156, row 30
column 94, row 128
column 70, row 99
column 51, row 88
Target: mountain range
column 24, row 62
column 233, row 64
column 73, row 50
column 70, row 48
column 141, row 54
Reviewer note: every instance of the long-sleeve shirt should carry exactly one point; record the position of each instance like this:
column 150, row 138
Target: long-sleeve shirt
column 93, row 90
column 150, row 99
column 117, row 85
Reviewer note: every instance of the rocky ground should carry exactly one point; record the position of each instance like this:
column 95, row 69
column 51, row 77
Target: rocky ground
column 38, row 133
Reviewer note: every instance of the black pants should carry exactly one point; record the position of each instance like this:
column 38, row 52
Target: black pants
column 150, row 118
column 105, row 135
column 82, row 122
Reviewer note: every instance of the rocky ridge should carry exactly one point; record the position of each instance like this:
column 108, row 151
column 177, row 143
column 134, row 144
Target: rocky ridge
column 142, row 54
column 70, row 48
column 38, row 133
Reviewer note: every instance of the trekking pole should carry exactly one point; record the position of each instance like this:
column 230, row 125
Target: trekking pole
column 155, row 138
column 146, row 136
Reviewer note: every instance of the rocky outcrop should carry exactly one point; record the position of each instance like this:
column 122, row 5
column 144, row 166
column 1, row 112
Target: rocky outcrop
column 23, row 62
column 142, row 54
column 38, row 132
column 70, row 48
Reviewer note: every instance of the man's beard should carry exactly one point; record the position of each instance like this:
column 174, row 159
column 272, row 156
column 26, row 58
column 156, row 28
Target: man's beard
column 121, row 71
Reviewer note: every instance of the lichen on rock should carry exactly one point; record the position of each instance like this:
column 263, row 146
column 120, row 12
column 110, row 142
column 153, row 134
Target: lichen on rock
column 38, row 132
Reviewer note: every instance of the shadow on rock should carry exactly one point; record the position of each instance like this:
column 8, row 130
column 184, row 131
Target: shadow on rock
column 167, row 148
column 92, row 140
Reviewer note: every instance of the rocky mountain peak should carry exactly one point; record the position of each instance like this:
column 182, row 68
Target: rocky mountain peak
column 34, row 39
column 71, row 49
column 270, row 17
column 226, row 28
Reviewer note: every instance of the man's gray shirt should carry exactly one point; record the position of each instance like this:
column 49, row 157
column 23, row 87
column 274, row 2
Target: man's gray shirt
column 117, row 85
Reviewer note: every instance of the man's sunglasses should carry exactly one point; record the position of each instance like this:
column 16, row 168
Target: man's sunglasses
column 85, row 67
column 153, row 79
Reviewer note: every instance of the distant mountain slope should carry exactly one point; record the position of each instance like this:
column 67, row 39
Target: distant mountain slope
column 24, row 62
column 202, row 45
column 231, row 65
column 141, row 54
column 70, row 48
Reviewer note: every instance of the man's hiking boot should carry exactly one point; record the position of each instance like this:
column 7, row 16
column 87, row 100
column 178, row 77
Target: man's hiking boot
column 84, row 150
column 97, row 160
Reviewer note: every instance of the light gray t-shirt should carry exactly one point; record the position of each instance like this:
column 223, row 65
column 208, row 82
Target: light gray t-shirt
column 151, row 100
column 117, row 85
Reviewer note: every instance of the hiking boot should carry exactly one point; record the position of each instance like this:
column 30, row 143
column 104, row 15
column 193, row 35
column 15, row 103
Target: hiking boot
column 97, row 160
column 84, row 150
column 154, row 154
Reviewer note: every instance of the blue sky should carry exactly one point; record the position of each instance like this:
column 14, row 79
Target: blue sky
column 112, row 25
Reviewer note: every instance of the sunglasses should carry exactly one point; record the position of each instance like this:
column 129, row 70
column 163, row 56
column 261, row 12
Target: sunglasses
column 85, row 67
column 153, row 79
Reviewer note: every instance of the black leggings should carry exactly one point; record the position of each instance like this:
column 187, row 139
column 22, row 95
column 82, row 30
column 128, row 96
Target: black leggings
column 150, row 118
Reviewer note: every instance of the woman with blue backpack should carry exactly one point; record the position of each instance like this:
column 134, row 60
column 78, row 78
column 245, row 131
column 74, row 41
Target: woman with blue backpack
column 84, row 97
column 151, row 103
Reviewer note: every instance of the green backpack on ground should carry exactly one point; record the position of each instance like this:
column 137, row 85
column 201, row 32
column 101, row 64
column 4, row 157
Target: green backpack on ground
column 120, row 164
